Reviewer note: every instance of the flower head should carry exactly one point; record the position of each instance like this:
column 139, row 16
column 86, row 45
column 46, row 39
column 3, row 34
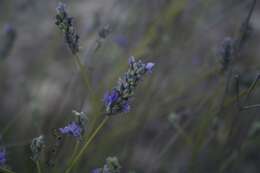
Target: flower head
column 81, row 119
column 66, row 25
column 117, row 100
column 2, row 157
column 72, row 129
column 36, row 147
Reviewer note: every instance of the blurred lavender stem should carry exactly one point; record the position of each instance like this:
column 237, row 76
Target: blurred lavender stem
column 38, row 167
column 83, row 149
column 84, row 74
column 5, row 170
column 75, row 150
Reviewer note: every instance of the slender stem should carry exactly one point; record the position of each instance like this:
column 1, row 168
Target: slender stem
column 83, row 149
column 5, row 170
column 252, row 87
column 83, row 72
column 38, row 167
column 245, row 26
column 237, row 93
column 75, row 150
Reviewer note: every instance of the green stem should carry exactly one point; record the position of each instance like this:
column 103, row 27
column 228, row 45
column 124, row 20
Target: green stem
column 75, row 150
column 83, row 149
column 83, row 72
column 38, row 167
column 5, row 170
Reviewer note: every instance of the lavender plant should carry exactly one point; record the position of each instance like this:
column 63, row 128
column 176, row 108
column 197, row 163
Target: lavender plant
column 117, row 100
column 66, row 24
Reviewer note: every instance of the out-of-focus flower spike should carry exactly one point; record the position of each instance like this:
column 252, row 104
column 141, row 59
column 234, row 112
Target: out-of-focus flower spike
column 37, row 146
column 2, row 157
column 66, row 24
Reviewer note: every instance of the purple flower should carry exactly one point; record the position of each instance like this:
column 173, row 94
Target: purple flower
column 2, row 157
column 149, row 67
column 111, row 97
column 117, row 100
column 72, row 129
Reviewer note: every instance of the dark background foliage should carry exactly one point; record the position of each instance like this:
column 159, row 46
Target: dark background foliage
column 180, row 120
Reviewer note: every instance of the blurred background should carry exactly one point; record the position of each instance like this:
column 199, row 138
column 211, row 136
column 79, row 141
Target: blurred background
column 184, row 116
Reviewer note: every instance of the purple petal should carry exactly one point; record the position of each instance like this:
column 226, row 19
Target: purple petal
column 72, row 128
column 110, row 98
column 149, row 66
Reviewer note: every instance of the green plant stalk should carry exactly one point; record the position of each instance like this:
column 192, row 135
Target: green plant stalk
column 38, row 167
column 5, row 170
column 83, row 149
column 75, row 150
column 83, row 72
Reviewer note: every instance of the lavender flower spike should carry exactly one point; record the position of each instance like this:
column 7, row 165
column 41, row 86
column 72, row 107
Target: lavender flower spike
column 37, row 146
column 117, row 100
column 2, row 157
column 72, row 129
column 66, row 25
